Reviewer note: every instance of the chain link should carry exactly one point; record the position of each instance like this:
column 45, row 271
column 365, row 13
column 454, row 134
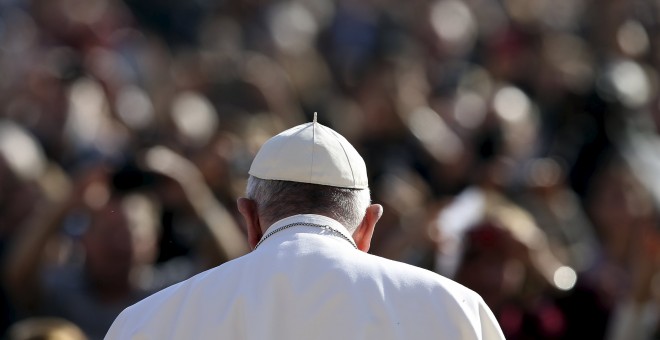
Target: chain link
column 322, row 226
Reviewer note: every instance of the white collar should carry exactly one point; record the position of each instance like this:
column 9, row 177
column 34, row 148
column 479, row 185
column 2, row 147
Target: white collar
column 328, row 222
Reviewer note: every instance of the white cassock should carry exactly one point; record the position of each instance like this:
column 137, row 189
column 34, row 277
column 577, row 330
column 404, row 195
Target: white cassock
column 306, row 282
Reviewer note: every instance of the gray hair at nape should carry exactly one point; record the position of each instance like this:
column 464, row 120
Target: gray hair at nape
column 279, row 199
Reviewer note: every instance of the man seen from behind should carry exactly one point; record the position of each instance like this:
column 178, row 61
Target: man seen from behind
column 309, row 276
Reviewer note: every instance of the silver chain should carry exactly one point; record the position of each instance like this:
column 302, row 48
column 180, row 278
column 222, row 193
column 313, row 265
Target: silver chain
column 322, row 226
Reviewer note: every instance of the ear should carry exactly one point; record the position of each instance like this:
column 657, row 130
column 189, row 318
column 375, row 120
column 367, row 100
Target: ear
column 248, row 208
column 365, row 230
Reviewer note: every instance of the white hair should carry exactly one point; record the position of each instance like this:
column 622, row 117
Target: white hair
column 279, row 199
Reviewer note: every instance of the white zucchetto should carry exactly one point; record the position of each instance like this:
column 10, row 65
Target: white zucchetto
column 311, row 153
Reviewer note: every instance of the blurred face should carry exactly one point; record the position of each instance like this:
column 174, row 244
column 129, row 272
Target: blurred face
column 122, row 236
column 617, row 206
column 109, row 246
column 490, row 269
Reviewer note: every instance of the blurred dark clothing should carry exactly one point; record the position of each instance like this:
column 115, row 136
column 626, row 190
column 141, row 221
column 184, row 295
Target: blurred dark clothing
column 66, row 293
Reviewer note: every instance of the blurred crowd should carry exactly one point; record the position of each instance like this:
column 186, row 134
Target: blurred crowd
column 515, row 146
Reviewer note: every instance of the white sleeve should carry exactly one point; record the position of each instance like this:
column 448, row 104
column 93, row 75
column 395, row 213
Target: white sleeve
column 490, row 328
column 118, row 328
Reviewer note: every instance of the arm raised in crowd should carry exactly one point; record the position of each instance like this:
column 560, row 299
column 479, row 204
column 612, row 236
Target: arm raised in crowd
column 227, row 240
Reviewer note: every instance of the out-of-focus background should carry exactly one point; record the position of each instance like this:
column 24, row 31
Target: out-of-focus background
column 514, row 144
